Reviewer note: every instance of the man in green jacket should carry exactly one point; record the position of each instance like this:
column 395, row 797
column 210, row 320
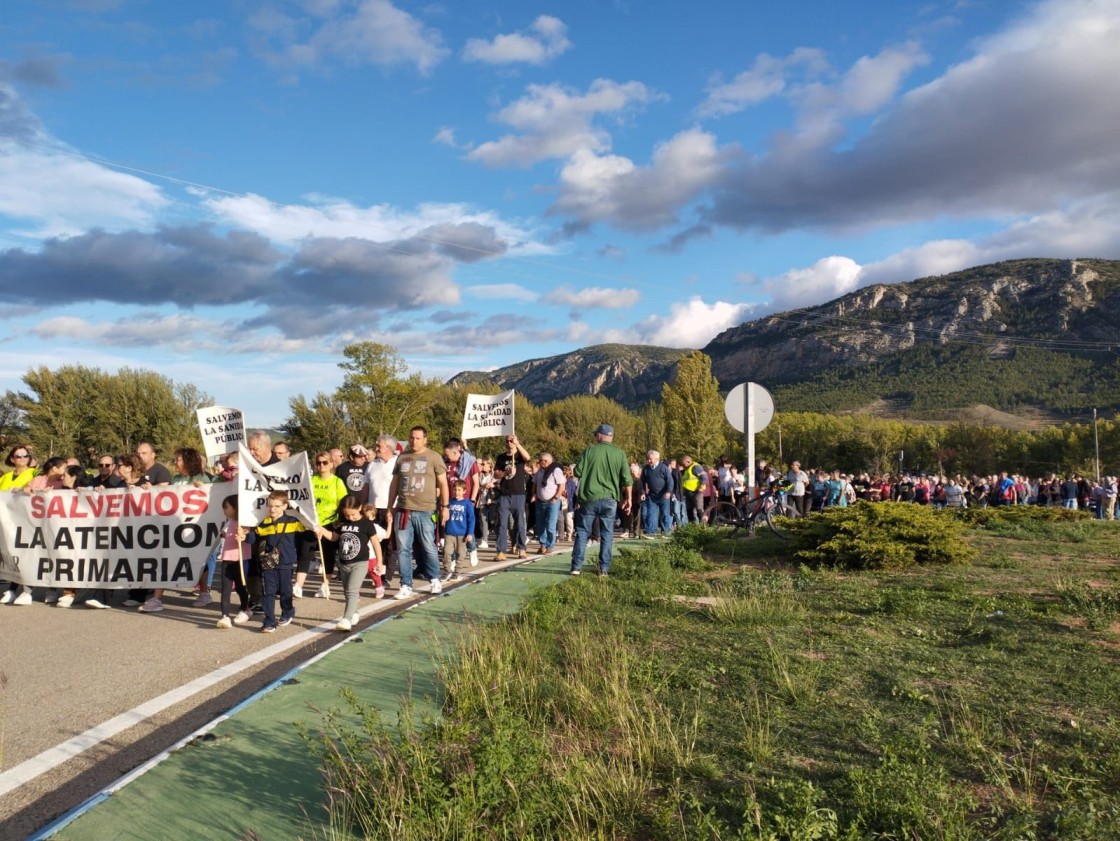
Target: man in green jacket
column 604, row 475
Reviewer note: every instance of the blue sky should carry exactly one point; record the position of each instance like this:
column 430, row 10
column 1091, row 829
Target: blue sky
column 231, row 192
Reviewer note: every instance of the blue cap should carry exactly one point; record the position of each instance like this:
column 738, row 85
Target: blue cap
column 605, row 429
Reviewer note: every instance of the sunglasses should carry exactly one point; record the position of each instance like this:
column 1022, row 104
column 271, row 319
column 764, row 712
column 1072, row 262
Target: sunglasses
column 21, row 455
column 105, row 464
column 322, row 462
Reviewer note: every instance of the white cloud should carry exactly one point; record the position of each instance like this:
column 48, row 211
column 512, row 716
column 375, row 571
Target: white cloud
column 828, row 278
column 330, row 217
column 55, row 192
column 547, row 39
column 597, row 188
column 767, row 77
column 500, row 292
column 552, row 121
column 593, row 297
column 370, row 32
column 691, row 324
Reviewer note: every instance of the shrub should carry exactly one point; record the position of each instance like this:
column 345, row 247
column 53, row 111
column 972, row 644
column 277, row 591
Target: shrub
column 881, row 535
column 1014, row 514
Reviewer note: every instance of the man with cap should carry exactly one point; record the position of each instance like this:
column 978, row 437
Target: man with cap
column 353, row 472
column 604, row 476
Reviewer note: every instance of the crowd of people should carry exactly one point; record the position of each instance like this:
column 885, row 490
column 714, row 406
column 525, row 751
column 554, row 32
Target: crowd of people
column 391, row 511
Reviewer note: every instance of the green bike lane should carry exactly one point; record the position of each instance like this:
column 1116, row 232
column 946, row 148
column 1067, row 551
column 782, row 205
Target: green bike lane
column 250, row 774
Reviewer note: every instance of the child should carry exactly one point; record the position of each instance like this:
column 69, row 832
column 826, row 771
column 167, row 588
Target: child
column 233, row 557
column 275, row 544
column 458, row 533
column 357, row 538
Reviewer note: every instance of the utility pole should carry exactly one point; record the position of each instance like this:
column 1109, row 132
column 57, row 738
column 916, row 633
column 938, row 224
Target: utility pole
column 1096, row 447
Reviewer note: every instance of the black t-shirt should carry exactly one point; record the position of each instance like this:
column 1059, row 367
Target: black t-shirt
column 352, row 476
column 516, row 479
column 353, row 540
column 157, row 474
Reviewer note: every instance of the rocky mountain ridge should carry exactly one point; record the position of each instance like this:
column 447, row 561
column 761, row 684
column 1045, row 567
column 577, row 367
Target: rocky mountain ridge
column 1015, row 315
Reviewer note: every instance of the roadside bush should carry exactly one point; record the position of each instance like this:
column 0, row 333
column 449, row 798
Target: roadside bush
column 881, row 535
column 695, row 536
column 1014, row 514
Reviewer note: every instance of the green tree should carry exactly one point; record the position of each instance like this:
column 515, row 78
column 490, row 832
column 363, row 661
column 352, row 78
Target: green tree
column 318, row 425
column 377, row 395
column 693, row 410
column 79, row 411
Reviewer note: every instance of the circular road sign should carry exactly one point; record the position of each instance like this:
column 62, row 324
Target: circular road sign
column 735, row 407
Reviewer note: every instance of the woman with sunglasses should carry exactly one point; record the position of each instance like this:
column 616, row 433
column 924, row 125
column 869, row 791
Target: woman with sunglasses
column 329, row 491
column 21, row 473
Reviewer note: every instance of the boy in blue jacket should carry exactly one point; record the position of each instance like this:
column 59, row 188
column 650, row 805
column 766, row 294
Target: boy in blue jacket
column 458, row 533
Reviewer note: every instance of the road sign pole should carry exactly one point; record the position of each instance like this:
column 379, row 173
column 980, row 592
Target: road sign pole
column 748, row 439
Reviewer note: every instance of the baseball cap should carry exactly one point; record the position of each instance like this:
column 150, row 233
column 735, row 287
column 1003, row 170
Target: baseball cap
column 605, row 429
column 359, row 450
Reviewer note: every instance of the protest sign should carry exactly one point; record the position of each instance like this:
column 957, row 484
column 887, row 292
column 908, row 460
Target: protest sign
column 256, row 481
column 222, row 428
column 488, row 415
column 111, row 539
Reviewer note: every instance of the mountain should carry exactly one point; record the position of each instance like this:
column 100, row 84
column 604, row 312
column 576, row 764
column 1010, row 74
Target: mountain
column 629, row 374
column 1029, row 336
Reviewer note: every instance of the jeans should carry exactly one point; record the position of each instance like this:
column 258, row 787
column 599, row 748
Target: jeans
column 655, row 514
column 546, row 522
column 419, row 524
column 515, row 505
column 353, row 574
column 273, row 581
column 694, row 506
column 603, row 512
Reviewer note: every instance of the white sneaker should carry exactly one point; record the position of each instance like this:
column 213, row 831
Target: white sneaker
column 297, row 591
column 403, row 593
column 436, row 586
column 324, row 592
column 482, row 544
column 355, row 619
column 96, row 604
column 474, row 557
column 204, row 598
column 343, row 624
column 131, row 603
column 223, row 623
column 51, row 597
column 65, row 601
column 379, row 592
column 152, row 605
column 8, row 597
column 242, row 617
column 23, row 598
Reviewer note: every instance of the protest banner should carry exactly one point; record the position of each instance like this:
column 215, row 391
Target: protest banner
column 111, row 539
column 488, row 415
column 256, row 481
column 222, row 428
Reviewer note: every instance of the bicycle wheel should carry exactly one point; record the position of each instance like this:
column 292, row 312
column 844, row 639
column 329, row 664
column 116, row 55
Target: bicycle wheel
column 723, row 514
column 774, row 512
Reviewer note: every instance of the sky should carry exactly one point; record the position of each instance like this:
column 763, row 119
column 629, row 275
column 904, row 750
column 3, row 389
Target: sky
column 229, row 193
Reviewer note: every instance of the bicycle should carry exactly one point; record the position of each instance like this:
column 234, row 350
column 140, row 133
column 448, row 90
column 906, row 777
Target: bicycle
column 768, row 506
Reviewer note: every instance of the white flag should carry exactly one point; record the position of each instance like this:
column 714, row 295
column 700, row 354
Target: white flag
column 488, row 415
column 255, row 482
column 222, row 428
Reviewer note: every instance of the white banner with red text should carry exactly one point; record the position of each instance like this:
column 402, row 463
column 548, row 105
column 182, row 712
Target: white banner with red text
column 114, row 539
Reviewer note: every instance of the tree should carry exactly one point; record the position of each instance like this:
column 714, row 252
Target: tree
column 79, row 411
column 693, row 410
column 318, row 425
column 378, row 398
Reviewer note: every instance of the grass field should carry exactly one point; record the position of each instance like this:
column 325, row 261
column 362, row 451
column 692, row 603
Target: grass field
column 710, row 689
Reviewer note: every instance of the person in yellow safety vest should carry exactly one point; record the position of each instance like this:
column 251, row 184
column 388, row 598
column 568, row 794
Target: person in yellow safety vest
column 694, row 481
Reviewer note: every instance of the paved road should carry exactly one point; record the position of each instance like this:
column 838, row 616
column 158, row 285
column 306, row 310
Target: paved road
column 91, row 694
